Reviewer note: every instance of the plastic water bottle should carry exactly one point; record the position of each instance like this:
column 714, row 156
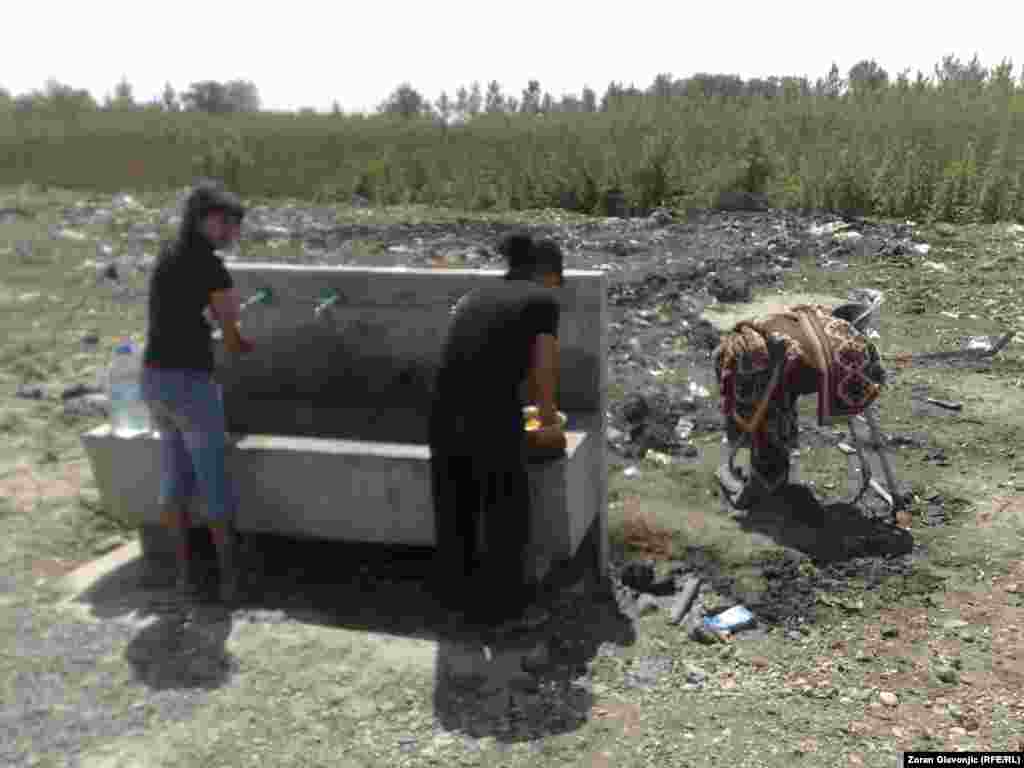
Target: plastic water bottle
column 129, row 414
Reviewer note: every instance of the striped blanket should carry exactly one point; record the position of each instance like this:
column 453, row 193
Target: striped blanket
column 763, row 365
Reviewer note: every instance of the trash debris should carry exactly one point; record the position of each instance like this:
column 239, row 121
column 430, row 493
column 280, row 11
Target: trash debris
column 68, row 234
column 662, row 458
column 951, row 315
column 945, row 404
column 30, row 392
column 938, row 266
column 881, row 491
column 827, row 229
column 732, row 620
column 684, row 600
column 647, row 604
column 12, row 214
column 922, row 248
column 979, row 343
column 684, row 428
column 631, row 472
column 1005, row 339
column 638, row 575
column 706, row 636
column 846, row 448
column 696, row 390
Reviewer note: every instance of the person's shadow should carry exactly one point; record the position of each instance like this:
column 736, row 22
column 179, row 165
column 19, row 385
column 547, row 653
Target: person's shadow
column 525, row 687
column 794, row 518
column 180, row 644
column 514, row 688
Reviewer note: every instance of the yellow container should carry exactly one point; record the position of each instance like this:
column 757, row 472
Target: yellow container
column 532, row 415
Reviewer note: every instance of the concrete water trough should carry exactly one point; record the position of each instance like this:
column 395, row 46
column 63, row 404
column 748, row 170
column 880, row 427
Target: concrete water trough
column 331, row 413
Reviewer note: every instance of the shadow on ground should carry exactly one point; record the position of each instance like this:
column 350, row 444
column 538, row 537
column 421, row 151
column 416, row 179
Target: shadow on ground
column 794, row 518
column 514, row 688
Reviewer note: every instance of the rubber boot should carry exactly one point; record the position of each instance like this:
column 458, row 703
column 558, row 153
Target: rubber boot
column 185, row 584
column 227, row 546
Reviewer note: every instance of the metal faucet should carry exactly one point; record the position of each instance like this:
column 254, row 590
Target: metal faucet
column 327, row 300
column 262, row 296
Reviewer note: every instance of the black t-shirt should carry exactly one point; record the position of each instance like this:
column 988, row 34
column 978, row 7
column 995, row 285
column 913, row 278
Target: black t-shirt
column 179, row 292
column 477, row 408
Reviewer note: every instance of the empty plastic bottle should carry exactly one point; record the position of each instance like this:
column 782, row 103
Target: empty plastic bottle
column 129, row 414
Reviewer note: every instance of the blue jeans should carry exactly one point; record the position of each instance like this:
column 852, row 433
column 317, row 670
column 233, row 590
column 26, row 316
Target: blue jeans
column 188, row 411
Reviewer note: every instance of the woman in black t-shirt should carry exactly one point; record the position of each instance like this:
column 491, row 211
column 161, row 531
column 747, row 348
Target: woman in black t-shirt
column 177, row 381
column 502, row 333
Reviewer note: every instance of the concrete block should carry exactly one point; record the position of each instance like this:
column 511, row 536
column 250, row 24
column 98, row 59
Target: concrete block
column 336, row 489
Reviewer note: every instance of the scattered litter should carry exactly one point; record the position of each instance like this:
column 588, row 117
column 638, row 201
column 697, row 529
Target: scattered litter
column 69, row 234
column 732, row 620
column 684, row 600
column 631, row 472
column 683, row 428
column 950, row 315
column 12, row 214
column 977, row 343
column 848, row 236
column 873, row 334
column 827, row 229
column 867, row 295
column 833, row 264
column 30, row 392
column 980, row 343
column 706, row 636
column 945, row 404
column 937, row 266
column 662, row 458
column 847, row 448
column 488, row 654
column 922, row 248
column 696, row 390
column 881, row 491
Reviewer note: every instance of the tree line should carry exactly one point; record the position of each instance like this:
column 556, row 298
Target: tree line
column 242, row 96
column 949, row 145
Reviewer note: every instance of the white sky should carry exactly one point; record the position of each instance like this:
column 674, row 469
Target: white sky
column 301, row 53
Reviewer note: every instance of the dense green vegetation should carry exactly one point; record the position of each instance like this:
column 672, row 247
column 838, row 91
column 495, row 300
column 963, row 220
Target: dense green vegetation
column 946, row 147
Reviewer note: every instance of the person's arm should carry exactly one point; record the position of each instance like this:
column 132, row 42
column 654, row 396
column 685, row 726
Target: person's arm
column 544, row 378
column 226, row 308
column 543, row 383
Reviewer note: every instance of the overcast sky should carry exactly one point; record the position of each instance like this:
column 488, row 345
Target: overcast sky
column 301, row 53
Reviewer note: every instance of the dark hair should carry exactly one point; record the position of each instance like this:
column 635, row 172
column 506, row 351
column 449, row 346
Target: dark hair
column 528, row 258
column 515, row 247
column 206, row 198
column 546, row 257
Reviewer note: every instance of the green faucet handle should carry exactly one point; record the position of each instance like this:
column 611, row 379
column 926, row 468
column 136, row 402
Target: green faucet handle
column 328, row 298
column 262, row 296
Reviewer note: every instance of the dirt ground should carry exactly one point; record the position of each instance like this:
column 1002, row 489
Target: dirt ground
column 871, row 639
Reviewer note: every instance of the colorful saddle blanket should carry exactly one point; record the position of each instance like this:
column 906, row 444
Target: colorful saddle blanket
column 774, row 358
